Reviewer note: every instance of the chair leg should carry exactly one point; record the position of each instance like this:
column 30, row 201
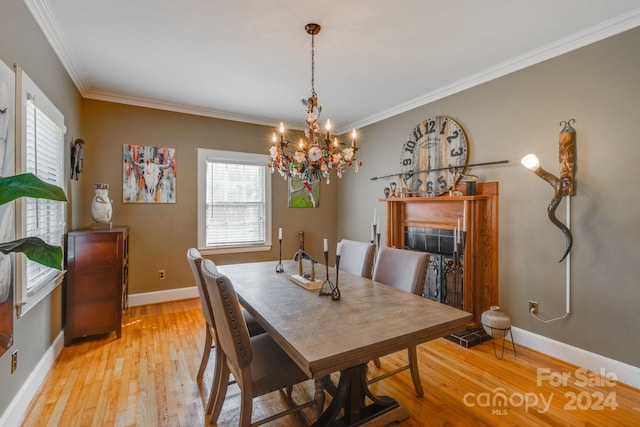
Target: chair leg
column 217, row 378
column 206, row 351
column 376, row 362
column 246, row 405
column 415, row 372
column 219, row 390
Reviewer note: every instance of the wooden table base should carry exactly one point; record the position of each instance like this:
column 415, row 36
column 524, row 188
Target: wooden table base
column 350, row 396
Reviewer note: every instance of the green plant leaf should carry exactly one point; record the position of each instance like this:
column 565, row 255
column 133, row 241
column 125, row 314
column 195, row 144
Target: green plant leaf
column 28, row 185
column 36, row 250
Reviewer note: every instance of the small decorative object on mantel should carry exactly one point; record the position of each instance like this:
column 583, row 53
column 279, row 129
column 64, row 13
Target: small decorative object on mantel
column 498, row 325
column 101, row 207
column 407, row 192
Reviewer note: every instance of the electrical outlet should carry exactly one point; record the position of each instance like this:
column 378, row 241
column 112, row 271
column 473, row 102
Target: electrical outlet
column 533, row 307
column 14, row 361
column 162, row 274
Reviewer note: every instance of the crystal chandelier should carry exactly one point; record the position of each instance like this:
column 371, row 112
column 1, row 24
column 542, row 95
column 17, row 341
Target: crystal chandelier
column 315, row 157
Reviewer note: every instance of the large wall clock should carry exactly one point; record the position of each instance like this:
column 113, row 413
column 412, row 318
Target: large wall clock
column 434, row 150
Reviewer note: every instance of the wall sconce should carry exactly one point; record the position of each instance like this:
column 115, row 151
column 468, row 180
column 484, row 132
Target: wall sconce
column 563, row 186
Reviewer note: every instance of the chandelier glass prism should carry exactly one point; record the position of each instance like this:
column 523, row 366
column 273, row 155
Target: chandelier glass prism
column 319, row 153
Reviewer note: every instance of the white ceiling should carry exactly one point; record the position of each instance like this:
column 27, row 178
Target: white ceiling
column 250, row 60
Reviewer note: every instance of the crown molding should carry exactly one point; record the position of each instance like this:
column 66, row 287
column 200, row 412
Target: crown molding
column 177, row 108
column 45, row 18
column 589, row 36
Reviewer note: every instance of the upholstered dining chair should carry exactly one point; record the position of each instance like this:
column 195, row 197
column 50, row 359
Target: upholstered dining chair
column 404, row 270
column 357, row 257
column 258, row 363
column 195, row 261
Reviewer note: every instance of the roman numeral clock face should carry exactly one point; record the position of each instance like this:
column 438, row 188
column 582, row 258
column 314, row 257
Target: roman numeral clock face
column 433, row 149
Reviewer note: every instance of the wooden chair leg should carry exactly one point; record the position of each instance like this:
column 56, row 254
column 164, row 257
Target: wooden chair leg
column 206, row 351
column 376, row 362
column 415, row 372
column 218, row 379
column 219, row 393
column 246, row 404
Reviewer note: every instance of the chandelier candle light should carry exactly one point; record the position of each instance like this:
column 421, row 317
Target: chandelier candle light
column 316, row 157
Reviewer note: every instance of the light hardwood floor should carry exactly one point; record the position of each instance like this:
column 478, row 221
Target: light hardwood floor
column 147, row 378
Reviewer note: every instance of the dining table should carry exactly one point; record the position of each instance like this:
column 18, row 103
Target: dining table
column 325, row 335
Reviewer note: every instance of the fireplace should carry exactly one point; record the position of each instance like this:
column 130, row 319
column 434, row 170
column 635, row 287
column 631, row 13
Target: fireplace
column 465, row 278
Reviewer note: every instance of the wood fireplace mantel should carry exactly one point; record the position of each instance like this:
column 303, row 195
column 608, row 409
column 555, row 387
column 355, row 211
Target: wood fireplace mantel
column 478, row 216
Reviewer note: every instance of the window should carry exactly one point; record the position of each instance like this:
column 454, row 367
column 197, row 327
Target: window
column 41, row 153
column 234, row 202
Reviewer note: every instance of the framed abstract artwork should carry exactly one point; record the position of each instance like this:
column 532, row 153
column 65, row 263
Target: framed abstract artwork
column 304, row 193
column 148, row 174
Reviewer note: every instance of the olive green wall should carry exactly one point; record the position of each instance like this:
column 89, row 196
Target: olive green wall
column 160, row 234
column 599, row 86
column 22, row 42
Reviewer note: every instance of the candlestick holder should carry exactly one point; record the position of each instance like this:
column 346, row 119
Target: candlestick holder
column 378, row 239
column 327, row 281
column 334, row 292
column 279, row 266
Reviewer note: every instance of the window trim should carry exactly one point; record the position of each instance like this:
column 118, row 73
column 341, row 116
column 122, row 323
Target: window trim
column 203, row 154
column 26, row 299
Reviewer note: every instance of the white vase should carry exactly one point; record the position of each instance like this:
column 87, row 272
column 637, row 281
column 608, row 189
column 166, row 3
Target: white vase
column 101, row 205
column 495, row 322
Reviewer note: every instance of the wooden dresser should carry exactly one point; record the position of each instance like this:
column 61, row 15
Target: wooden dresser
column 97, row 282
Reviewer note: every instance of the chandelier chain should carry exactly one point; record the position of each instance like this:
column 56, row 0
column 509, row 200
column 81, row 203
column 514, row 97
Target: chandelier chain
column 313, row 65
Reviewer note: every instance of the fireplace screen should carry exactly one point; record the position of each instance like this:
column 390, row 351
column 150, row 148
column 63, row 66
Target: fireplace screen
column 444, row 281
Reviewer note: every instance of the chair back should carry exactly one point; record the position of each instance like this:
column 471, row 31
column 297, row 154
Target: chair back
column 231, row 328
column 403, row 269
column 195, row 260
column 357, row 257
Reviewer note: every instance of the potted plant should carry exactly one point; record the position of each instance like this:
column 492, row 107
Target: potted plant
column 29, row 185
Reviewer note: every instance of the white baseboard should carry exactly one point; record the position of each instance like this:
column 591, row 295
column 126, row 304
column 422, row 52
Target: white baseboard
column 625, row 373
column 163, row 296
column 17, row 409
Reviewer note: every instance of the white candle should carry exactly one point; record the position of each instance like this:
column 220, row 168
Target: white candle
column 374, row 215
column 326, row 245
column 280, row 233
column 338, row 249
column 455, row 239
column 459, row 229
column 464, row 218
column 378, row 223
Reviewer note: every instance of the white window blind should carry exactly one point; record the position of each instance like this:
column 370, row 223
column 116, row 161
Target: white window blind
column 41, row 152
column 235, row 204
column 43, row 218
column 234, row 201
